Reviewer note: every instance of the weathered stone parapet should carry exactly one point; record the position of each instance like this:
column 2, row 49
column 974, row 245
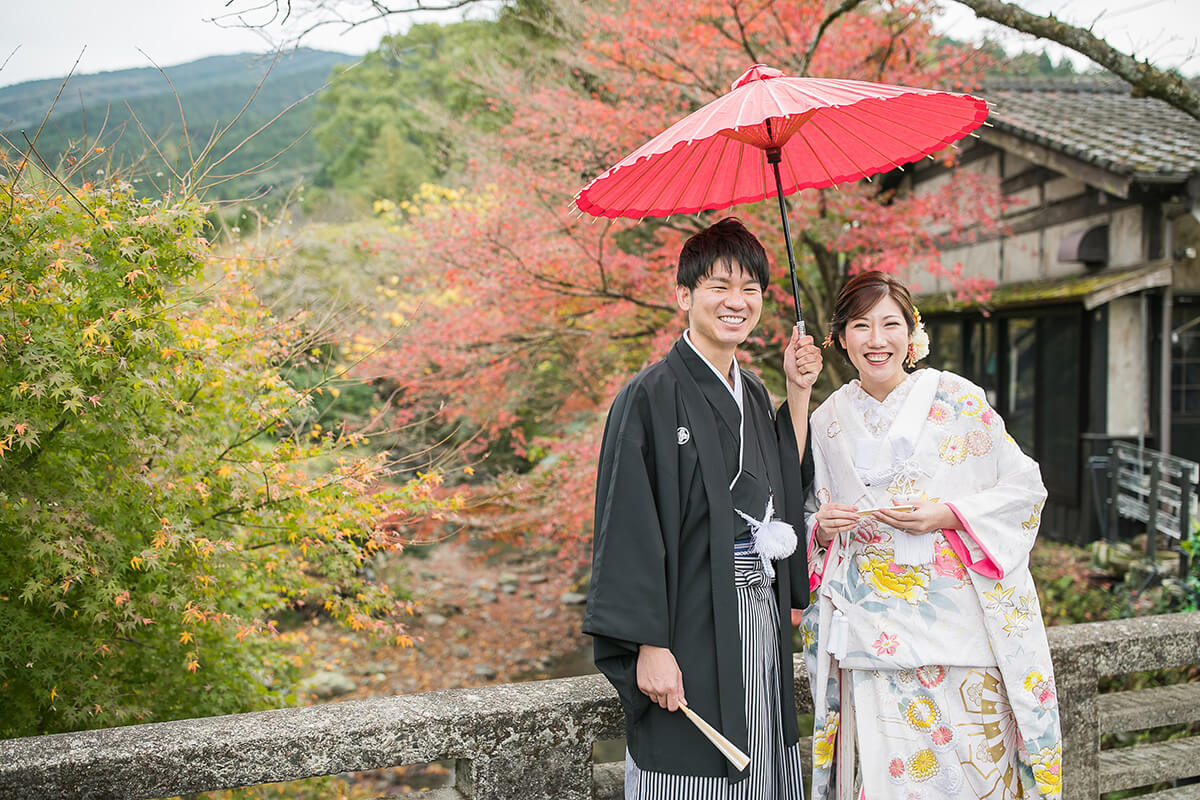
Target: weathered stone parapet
column 525, row 740
column 1083, row 654
column 530, row 741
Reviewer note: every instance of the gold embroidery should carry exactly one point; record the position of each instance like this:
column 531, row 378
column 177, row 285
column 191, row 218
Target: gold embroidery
column 952, row 450
column 1035, row 518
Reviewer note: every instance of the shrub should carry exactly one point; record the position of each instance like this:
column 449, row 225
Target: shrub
column 160, row 503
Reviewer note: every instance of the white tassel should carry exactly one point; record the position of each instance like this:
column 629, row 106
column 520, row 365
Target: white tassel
column 912, row 550
column 773, row 538
column 839, row 633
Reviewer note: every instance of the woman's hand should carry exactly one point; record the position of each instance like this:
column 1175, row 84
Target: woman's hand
column 659, row 678
column 926, row 516
column 832, row 519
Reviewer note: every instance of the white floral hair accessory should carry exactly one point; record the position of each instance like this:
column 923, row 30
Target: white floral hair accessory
column 918, row 343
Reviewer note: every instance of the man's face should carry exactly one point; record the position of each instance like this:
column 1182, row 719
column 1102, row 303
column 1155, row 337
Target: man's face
column 723, row 308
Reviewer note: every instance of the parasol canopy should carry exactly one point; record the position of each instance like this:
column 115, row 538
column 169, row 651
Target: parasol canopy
column 772, row 135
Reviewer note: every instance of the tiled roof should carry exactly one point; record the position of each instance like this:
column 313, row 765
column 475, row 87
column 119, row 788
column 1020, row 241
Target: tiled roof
column 1097, row 120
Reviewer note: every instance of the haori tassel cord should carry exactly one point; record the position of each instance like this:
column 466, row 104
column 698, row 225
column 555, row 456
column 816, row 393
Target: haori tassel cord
column 773, row 538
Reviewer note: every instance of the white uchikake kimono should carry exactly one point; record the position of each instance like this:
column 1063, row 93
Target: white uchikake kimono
column 928, row 651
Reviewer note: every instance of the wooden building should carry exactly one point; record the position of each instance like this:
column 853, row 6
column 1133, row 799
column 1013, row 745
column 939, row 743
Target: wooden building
column 1092, row 332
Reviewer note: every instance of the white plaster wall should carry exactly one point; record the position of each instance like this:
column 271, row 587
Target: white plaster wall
column 1127, row 370
column 1023, row 257
column 934, row 183
column 987, row 166
column 1015, row 165
column 1023, row 201
column 978, row 260
column 1062, row 188
column 1125, row 238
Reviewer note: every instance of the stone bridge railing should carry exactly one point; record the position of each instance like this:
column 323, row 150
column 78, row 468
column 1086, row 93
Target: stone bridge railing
column 534, row 740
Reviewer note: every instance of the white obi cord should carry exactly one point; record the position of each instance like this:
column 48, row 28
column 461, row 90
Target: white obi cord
column 909, row 549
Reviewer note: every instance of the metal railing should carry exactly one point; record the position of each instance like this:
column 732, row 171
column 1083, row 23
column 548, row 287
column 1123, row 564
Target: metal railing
column 1157, row 489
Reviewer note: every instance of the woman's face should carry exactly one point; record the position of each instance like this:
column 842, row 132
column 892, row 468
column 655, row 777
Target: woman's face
column 877, row 344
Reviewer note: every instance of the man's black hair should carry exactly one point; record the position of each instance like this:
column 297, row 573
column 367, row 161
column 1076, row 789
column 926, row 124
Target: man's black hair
column 723, row 243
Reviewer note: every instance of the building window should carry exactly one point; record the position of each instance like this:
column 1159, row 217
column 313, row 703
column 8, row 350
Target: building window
column 1019, row 410
column 1059, row 402
column 1185, row 360
column 1185, row 377
column 1029, row 367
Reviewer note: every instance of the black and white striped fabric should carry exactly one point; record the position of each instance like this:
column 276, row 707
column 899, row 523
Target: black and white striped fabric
column 774, row 769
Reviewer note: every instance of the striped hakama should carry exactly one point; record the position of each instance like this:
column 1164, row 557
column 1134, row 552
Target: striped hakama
column 774, row 770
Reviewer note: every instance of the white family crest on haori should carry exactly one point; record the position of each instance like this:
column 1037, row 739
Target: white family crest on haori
column 682, row 435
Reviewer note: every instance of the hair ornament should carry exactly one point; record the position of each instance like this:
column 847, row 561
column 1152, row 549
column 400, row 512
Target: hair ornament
column 828, row 340
column 918, row 343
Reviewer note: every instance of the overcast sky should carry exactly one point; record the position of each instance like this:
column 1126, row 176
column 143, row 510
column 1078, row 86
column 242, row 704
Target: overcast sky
column 42, row 39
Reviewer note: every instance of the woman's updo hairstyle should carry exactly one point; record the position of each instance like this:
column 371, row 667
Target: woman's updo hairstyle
column 859, row 295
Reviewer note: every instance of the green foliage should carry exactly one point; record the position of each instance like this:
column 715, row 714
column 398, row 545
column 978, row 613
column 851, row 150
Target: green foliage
column 373, row 137
column 119, row 110
column 397, row 119
column 1030, row 65
column 1022, row 64
column 1191, row 548
column 163, row 491
column 1071, row 590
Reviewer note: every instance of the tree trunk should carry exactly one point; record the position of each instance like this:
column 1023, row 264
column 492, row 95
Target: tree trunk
column 1145, row 79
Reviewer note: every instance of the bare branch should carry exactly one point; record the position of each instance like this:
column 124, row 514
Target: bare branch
column 9, row 57
column 25, row 158
column 1146, row 79
column 187, row 141
column 259, row 15
column 846, row 7
column 50, row 173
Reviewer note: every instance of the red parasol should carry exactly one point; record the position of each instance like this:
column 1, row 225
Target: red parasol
column 812, row 133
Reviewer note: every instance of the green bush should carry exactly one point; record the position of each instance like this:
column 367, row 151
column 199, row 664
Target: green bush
column 159, row 502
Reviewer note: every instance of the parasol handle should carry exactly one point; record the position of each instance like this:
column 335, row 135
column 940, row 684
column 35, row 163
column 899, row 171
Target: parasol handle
column 774, row 154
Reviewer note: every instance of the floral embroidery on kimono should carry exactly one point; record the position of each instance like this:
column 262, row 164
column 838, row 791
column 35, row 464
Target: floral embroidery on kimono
column 935, row 627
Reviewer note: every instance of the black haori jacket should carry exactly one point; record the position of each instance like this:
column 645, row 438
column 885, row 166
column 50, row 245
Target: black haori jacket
column 662, row 568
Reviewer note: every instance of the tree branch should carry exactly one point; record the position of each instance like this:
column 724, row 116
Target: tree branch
column 1146, row 79
column 846, row 7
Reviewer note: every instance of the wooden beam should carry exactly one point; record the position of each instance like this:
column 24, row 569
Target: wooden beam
column 1023, row 180
column 1080, row 206
column 968, row 155
column 1059, row 162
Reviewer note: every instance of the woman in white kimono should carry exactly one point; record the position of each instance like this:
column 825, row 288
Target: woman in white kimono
column 925, row 646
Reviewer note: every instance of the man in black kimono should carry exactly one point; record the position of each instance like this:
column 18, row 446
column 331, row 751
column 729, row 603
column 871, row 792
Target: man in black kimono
column 691, row 453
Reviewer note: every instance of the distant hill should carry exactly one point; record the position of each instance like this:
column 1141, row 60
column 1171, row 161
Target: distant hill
column 212, row 91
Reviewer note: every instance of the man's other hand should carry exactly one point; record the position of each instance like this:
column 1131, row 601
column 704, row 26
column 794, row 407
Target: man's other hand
column 659, row 678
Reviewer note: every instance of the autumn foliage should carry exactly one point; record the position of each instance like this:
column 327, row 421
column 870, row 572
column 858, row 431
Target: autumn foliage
column 523, row 320
column 164, row 497
column 167, row 490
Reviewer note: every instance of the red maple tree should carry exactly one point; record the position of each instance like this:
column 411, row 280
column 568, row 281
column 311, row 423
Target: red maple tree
column 522, row 321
